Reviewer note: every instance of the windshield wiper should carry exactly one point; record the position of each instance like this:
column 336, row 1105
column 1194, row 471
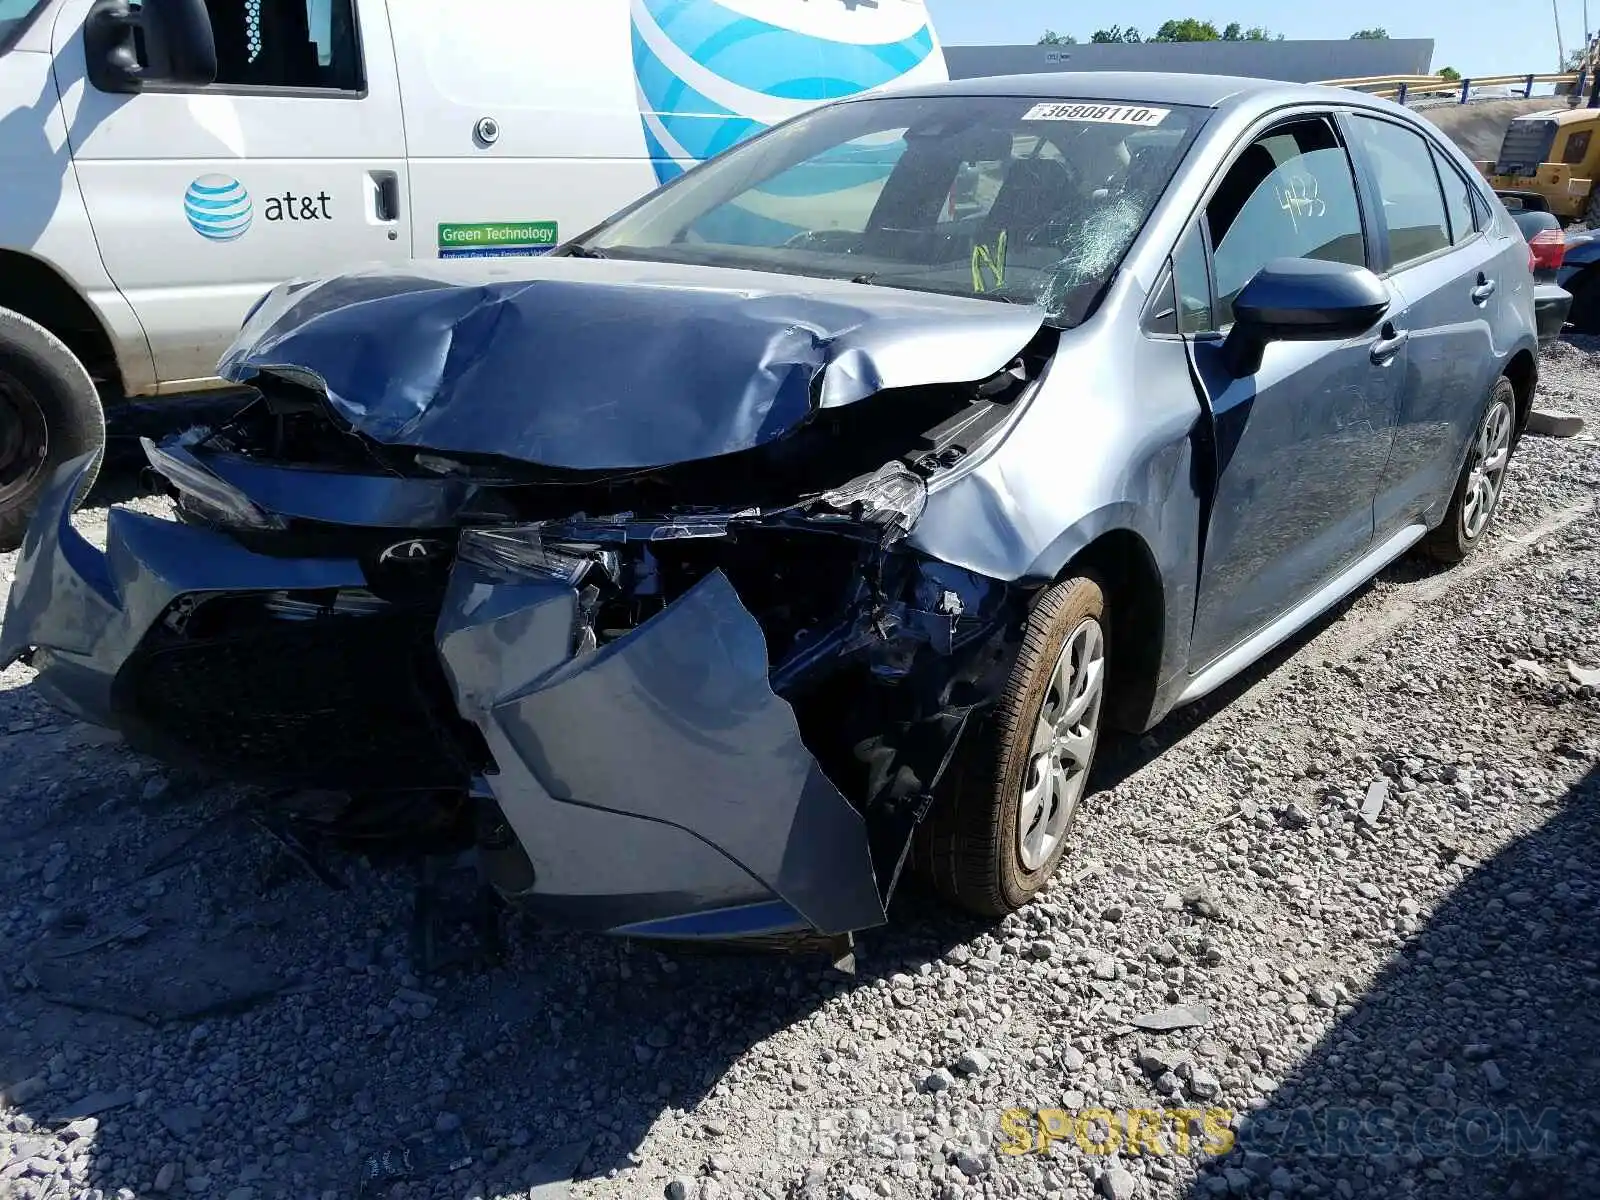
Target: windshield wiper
column 575, row 250
column 919, row 283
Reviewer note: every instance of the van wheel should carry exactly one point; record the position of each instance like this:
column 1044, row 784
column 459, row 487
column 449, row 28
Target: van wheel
column 993, row 842
column 1482, row 480
column 49, row 414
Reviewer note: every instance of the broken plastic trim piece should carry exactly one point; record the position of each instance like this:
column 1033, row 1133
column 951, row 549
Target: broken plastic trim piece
column 625, row 527
column 210, row 495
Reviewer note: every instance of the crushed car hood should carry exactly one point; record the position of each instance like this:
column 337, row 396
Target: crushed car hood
column 584, row 364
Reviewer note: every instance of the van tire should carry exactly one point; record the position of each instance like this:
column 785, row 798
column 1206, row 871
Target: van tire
column 50, row 413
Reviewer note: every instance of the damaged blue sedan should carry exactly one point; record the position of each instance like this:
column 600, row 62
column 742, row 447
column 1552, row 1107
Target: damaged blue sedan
column 805, row 523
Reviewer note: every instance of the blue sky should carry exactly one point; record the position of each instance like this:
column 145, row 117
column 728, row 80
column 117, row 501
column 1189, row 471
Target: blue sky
column 1484, row 37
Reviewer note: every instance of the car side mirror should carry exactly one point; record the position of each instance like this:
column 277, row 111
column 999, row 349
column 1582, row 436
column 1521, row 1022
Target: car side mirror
column 1298, row 300
column 175, row 36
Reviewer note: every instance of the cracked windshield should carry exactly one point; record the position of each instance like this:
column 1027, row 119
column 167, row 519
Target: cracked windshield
column 1005, row 198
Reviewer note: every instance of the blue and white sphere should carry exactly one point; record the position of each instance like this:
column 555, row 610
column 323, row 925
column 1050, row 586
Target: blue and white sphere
column 218, row 207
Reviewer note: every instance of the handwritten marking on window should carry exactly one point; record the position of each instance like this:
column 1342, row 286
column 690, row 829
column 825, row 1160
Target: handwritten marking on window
column 995, row 260
column 1300, row 197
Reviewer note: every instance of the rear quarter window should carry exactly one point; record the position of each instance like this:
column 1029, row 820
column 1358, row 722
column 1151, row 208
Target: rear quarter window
column 1464, row 222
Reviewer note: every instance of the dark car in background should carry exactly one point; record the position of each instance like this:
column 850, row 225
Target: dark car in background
column 1553, row 304
column 806, row 522
column 1580, row 275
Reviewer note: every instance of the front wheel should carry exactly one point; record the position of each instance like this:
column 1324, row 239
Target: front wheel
column 1482, row 480
column 992, row 844
column 49, row 414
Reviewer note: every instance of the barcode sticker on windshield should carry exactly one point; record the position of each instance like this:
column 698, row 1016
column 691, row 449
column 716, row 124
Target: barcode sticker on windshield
column 1109, row 114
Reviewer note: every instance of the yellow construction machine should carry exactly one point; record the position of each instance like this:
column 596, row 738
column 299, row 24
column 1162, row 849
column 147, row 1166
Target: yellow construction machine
column 1554, row 154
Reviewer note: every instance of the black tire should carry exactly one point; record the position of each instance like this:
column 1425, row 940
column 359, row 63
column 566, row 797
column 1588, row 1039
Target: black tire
column 1584, row 315
column 50, row 413
column 1462, row 529
column 969, row 847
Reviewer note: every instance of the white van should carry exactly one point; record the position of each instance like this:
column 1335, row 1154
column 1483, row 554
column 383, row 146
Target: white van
column 162, row 166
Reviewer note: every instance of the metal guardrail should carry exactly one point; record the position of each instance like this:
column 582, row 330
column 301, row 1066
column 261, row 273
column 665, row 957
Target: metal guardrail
column 1401, row 87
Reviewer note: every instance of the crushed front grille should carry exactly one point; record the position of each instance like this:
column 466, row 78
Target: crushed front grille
column 348, row 702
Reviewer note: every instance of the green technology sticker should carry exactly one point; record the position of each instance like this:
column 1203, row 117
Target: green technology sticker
column 495, row 239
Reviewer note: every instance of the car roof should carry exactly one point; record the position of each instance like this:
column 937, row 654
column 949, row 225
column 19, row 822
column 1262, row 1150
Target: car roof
column 1147, row 87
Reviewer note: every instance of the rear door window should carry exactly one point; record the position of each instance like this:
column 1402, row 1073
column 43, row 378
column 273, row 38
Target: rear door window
column 1413, row 202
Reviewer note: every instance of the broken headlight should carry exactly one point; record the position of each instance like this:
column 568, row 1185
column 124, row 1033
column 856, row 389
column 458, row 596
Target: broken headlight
column 565, row 549
column 522, row 550
column 204, row 493
column 892, row 496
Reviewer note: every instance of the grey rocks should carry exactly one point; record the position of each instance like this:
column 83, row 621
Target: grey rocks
column 972, row 1062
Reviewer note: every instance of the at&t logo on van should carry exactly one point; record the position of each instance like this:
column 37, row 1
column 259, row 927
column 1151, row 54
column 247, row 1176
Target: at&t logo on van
column 751, row 63
column 218, row 207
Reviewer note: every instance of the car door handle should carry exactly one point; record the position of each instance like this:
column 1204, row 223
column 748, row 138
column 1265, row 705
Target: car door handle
column 1388, row 344
column 1484, row 290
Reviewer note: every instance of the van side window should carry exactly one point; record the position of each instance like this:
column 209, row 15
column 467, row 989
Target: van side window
column 286, row 44
column 1291, row 194
column 1413, row 204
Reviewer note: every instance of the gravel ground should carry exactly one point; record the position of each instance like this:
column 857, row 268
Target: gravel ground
column 1362, row 881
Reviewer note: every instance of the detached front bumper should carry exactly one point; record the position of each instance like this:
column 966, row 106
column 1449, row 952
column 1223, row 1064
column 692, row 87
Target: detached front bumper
column 657, row 785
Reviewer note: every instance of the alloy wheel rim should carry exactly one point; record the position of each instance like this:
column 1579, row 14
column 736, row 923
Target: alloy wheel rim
column 1491, row 451
column 1064, row 736
column 24, row 441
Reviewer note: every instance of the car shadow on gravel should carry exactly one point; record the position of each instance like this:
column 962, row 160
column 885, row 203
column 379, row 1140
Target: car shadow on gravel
column 1469, row 1069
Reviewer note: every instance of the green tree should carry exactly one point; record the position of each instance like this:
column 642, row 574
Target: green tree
column 1116, row 34
column 1189, row 29
column 1255, row 33
column 1376, row 34
column 1450, row 73
column 1051, row 38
